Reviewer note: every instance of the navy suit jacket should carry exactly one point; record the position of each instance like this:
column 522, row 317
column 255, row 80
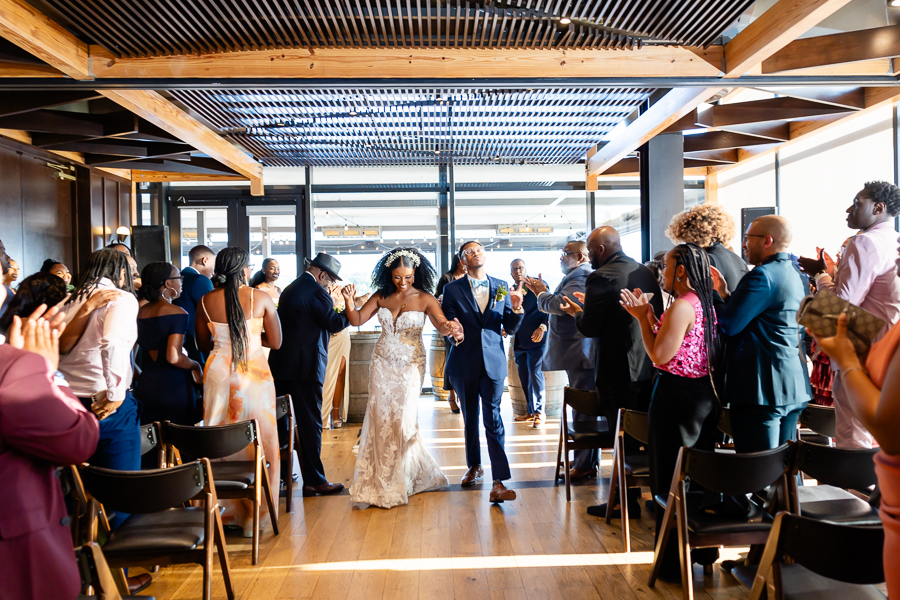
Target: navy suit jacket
column 533, row 319
column 762, row 351
column 193, row 287
column 566, row 349
column 481, row 350
column 308, row 319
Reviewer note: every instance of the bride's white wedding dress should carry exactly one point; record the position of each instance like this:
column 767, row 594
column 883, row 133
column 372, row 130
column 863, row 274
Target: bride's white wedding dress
column 393, row 463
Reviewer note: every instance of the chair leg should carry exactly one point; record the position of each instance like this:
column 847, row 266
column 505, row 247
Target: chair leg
column 684, row 545
column 613, row 483
column 224, row 563
column 623, row 504
column 270, row 501
column 289, row 485
column 667, row 525
column 558, row 458
column 568, row 475
column 257, row 500
column 208, row 548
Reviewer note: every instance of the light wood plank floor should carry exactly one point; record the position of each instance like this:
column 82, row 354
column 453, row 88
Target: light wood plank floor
column 453, row 543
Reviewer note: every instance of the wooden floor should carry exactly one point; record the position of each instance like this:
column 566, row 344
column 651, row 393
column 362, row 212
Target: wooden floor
column 449, row 544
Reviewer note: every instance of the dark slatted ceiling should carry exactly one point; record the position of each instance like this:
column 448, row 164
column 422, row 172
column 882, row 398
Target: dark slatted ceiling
column 344, row 127
column 166, row 27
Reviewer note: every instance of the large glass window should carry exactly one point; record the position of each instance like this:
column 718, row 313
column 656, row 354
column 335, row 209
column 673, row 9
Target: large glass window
column 203, row 226
column 273, row 234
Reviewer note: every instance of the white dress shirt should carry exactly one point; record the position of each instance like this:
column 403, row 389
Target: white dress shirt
column 101, row 360
column 482, row 293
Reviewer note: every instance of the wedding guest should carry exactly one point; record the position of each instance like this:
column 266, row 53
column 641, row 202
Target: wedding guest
column 7, row 291
column 195, row 285
column 528, row 348
column 680, row 344
column 336, row 387
column 235, row 323
column 120, row 247
column 265, row 279
column 166, row 386
column 135, row 275
column 33, row 291
column 41, row 425
column 866, row 278
column 54, row 267
column 566, row 348
column 307, row 314
column 99, row 369
column 712, row 228
column 12, row 274
column 766, row 380
column 457, row 270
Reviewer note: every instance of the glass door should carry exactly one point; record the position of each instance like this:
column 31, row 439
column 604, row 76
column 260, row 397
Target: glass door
column 202, row 226
column 273, row 234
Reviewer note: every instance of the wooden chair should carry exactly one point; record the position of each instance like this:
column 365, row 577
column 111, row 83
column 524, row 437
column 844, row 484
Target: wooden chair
column 150, row 441
column 806, row 558
column 288, row 441
column 96, row 576
column 588, row 403
column 724, row 473
column 160, row 530
column 234, row 479
column 839, row 474
column 820, row 420
column 632, row 469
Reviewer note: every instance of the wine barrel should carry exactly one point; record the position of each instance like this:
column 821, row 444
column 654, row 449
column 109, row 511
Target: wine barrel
column 437, row 355
column 362, row 344
column 554, row 384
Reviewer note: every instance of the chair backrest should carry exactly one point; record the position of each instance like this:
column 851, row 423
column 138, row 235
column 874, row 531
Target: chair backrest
column 849, row 468
column 585, row 402
column 148, row 491
column 737, row 473
column 149, row 437
column 724, row 424
column 819, row 419
column 843, row 552
column 635, row 424
column 281, row 407
column 216, row 441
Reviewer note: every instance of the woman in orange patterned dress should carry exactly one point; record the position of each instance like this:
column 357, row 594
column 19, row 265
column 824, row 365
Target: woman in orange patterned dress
column 236, row 324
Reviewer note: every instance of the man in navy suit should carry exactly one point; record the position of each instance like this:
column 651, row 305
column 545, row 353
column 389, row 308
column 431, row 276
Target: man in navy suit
column 308, row 319
column 528, row 347
column 195, row 285
column 476, row 366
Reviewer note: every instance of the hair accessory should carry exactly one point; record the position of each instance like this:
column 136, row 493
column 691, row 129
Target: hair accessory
column 413, row 257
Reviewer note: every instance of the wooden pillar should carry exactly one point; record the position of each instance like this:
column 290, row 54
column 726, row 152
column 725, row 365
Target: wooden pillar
column 711, row 187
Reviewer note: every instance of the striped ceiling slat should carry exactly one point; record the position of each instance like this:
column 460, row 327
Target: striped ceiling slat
column 134, row 28
column 414, row 126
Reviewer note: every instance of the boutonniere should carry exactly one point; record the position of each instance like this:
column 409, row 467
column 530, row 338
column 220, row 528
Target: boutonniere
column 501, row 293
column 339, row 308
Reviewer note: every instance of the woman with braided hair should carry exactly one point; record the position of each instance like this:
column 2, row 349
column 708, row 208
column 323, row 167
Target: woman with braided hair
column 236, row 323
column 393, row 463
column 681, row 344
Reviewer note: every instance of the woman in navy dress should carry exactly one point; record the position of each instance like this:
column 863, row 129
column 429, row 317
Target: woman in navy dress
column 166, row 384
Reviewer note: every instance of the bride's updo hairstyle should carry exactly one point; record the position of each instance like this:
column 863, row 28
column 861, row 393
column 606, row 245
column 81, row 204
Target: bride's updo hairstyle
column 229, row 276
column 424, row 276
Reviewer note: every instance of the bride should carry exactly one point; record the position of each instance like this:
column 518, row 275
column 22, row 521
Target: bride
column 393, row 463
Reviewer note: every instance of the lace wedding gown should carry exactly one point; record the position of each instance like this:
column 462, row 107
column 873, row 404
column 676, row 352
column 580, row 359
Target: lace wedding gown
column 393, row 463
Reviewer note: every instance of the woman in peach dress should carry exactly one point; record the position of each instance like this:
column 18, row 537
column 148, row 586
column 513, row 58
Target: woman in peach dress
column 236, row 324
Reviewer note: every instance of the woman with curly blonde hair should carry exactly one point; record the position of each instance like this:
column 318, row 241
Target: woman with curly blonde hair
column 711, row 228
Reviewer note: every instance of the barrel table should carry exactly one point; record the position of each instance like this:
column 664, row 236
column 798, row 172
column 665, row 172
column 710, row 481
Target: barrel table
column 362, row 344
column 437, row 359
column 554, row 384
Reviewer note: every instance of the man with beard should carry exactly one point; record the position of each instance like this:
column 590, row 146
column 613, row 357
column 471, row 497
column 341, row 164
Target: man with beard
column 623, row 371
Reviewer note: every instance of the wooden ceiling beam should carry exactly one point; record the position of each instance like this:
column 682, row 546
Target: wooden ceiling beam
column 165, row 115
column 837, row 48
column 31, row 30
column 773, row 30
column 162, row 176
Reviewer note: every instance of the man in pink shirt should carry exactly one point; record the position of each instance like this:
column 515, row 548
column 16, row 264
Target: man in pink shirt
column 867, row 277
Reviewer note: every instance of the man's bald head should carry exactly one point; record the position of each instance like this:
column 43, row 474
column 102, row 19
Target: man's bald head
column 602, row 243
column 767, row 235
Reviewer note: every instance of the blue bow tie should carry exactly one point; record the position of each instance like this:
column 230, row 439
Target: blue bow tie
column 475, row 283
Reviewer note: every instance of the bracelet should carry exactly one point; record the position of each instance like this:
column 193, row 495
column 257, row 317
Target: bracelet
column 851, row 369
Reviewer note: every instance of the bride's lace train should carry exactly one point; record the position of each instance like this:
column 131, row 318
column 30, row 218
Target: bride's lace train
column 393, row 463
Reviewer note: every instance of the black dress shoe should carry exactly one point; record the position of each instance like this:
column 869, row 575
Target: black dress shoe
column 599, row 510
column 323, row 489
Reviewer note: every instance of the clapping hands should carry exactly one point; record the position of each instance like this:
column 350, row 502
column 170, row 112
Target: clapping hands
column 636, row 303
column 39, row 333
column 535, row 285
column 516, row 297
column 570, row 307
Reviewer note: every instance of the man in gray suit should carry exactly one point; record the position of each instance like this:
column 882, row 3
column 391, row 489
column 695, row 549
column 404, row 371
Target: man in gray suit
column 566, row 348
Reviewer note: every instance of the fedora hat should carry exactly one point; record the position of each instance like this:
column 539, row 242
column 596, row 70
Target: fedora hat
column 327, row 263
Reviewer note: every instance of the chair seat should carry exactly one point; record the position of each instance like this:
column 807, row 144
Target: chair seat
column 802, row 584
column 234, row 474
column 832, row 504
column 173, row 530
column 602, row 439
column 728, row 524
column 637, row 465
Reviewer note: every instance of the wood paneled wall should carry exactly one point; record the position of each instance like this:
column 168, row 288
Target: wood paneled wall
column 42, row 216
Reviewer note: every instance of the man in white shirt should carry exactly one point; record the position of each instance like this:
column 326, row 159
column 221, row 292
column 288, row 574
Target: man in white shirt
column 99, row 368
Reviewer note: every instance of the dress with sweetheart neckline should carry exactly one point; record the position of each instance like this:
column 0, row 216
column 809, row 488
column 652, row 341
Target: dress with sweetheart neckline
column 233, row 395
column 393, row 463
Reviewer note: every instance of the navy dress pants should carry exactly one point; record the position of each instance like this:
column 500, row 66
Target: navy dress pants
column 476, row 395
column 528, row 363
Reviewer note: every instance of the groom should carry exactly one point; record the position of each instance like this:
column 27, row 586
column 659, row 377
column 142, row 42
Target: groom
column 308, row 319
column 476, row 366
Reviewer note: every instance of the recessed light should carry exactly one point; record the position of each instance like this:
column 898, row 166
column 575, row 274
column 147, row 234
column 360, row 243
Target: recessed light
column 567, row 20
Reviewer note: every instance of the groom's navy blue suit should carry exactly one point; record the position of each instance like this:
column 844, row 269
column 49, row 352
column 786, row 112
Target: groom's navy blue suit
column 477, row 367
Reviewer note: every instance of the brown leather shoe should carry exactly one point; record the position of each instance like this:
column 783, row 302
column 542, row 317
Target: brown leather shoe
column 578, row 474
column 538, row 420
column 471, row 476
column 323, row 489
column 523, row 418
column 500, row 493
column 138, row 583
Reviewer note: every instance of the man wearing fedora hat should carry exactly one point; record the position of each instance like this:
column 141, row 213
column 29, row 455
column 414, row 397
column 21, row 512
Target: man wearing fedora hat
column 308, row 319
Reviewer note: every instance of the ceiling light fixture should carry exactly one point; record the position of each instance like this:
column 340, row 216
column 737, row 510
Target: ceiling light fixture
column 894, row 3
column 567, row 20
